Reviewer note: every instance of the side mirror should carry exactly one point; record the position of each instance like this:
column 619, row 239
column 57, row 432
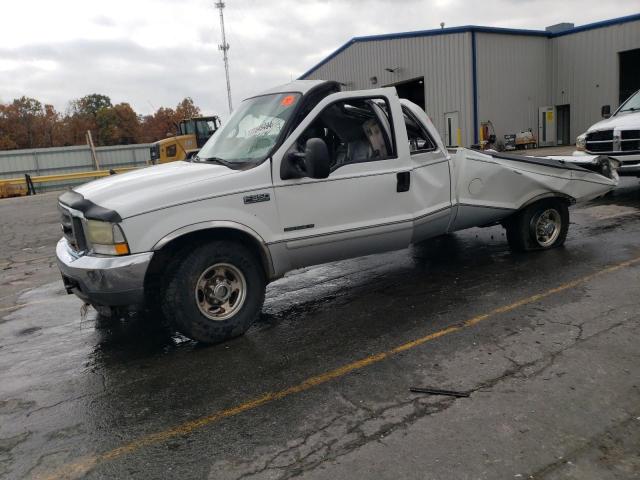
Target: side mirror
column 605, row 111
column 314, row 162
column 316, row 158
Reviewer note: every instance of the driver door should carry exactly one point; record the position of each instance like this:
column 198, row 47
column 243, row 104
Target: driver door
column 364, row 206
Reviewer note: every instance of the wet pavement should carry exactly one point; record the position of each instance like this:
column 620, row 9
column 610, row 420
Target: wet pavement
column 547, row 344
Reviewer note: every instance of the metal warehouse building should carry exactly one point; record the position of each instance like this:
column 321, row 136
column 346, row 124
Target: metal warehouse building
column 552, row 82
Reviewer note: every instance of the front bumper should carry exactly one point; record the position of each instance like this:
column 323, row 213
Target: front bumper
column 630, row 169
column 104, row 281
column 629, row 164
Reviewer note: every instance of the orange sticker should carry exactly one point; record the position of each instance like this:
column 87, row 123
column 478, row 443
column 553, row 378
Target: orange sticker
column 288, row 100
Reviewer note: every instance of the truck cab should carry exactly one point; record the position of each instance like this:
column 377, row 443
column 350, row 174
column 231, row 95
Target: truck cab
column 617, row 136
column 191, row 135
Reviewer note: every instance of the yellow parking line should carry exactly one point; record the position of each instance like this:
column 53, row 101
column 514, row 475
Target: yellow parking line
column 83, row 465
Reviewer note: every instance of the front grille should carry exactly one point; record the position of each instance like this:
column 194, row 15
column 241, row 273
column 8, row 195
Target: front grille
column 600, row 147
column 630, row 145
column 630, row 140
column 600, row 136
column 601, row 141
column 72, row 230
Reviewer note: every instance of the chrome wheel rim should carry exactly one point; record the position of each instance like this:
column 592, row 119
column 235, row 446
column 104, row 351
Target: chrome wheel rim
column 547, row 227
column 220, row 291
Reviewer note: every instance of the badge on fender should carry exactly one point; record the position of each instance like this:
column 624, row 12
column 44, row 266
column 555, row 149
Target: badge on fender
column 258, row 197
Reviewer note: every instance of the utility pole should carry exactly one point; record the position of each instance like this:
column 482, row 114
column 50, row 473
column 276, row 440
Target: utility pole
column 225, row 48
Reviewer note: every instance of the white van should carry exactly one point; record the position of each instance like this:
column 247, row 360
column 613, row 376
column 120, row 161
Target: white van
column 616, row 136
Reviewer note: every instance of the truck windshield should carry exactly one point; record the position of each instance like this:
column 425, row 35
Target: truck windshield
column 252, row 131
column 632, row 104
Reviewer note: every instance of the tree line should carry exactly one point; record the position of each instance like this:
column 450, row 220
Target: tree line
column 27, row 123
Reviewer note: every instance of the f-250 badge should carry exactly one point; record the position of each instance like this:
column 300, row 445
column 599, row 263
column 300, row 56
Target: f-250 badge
column 258, row 197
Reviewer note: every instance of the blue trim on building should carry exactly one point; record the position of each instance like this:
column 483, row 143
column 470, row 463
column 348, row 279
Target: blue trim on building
column 471, row 28
column 601, row 24
column 474, row 80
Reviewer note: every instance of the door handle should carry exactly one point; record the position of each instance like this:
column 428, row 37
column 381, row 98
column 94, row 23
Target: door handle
column 404, row 181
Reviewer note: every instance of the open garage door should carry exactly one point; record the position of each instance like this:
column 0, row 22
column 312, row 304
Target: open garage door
column 629, row 73
column 412, row 90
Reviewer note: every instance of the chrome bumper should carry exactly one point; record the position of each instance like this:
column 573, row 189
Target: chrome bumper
column 631, row 170
column 106, row 281
column 629, row 164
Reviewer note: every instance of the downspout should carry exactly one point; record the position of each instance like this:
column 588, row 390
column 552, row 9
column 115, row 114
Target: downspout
column 474, row 79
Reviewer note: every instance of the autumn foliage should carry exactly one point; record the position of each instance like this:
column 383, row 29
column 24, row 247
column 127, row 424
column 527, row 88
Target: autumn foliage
column 27, row 123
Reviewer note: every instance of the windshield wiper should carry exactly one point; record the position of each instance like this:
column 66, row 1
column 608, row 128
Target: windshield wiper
column 630, row 109
column 217, row 160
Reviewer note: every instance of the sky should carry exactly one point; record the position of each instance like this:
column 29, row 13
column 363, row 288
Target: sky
column 153, row 53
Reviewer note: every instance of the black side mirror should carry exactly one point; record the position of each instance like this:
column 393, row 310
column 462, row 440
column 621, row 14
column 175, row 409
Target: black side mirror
column 314, row 162
column 317, row 158
column 605, row 111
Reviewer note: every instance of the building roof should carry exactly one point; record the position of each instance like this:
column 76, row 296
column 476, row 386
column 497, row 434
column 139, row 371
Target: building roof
column 473, row 28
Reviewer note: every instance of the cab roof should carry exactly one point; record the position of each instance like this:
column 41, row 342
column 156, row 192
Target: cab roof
column 302, row 86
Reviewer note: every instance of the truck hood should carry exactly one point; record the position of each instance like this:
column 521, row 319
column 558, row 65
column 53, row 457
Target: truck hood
column 154, row 187
column 622, row 121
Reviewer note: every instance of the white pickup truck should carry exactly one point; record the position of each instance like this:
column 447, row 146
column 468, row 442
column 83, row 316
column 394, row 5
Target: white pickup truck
column 300, row 175
column 617, row 136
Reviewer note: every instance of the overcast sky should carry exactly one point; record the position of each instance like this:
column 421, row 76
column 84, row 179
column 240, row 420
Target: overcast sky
column 153, row 53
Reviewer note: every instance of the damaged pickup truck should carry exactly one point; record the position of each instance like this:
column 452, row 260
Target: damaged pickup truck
column 300, row 175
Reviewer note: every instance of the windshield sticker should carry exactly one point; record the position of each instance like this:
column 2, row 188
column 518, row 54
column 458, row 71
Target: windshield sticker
column 288, row 100
column 266, row 128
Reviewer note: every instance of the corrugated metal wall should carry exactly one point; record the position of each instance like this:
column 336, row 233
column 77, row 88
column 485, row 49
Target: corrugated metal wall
column 443, row 60
column 51, row 161
column 585, row 70
column 513, row 81
column 516, row 74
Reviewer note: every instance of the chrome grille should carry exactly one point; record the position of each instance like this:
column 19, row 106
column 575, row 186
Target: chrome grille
column 72, row 230
column 599, row 136
column 601, row 141
column 630, row 140
column 604, row 141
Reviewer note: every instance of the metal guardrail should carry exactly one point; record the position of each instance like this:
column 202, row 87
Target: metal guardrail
column 13, row 187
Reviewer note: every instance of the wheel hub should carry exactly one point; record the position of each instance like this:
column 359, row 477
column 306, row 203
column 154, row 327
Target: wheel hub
column 547, row 227
column 220, row 291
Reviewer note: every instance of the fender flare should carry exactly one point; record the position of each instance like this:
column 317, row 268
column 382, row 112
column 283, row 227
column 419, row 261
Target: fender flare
column 220, row 224
column 543, row 196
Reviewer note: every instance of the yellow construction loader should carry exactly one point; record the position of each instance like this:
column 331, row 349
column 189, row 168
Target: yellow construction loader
column 191, row 135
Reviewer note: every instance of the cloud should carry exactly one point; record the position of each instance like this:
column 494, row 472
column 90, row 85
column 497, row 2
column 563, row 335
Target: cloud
column 104, row 21
column 153, row 53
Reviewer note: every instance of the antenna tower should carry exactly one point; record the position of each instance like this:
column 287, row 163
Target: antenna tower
column 224, row 46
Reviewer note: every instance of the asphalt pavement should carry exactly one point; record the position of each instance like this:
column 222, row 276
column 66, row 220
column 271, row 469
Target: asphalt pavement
column 546, row 344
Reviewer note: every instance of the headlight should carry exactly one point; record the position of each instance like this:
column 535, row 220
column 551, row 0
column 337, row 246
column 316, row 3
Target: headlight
column 581, row 142
column 106, row 238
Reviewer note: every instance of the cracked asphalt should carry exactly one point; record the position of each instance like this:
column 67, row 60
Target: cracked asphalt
column 554, row 378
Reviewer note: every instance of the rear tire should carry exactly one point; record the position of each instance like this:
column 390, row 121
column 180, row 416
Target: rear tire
column 540, row 226
column 216, row 292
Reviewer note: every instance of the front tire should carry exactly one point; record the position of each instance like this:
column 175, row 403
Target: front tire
column 540, row 226
column 216, row 292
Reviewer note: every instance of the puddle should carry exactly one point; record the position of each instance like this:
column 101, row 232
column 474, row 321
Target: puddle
column 29, row 331
column 604, row 212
